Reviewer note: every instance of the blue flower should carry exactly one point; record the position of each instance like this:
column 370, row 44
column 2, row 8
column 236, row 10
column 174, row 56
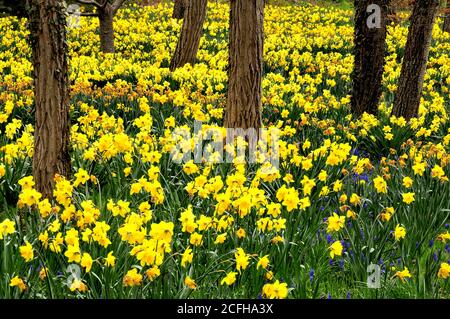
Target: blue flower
column 311, row 275
column 329, row 239
column 344, row 246
column 341, row 264
column 364, row 177
column 435, row 257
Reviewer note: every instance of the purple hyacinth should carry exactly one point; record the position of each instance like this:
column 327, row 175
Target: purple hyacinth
column 341, row 264
column 311, row 275
column 329, row 239
column 435, row 257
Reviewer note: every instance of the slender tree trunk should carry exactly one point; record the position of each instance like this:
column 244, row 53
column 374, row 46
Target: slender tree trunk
column 47, row 25
column 191, row 33
column 178, row 9
column 369, row 50
column 246, row 40
column 106, row 19
column 409, row 92
column 446, row 26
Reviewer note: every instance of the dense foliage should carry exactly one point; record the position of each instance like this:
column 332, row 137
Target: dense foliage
column 134, row 223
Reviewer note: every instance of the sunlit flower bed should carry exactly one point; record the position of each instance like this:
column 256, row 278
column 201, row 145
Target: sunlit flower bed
column 349, row 196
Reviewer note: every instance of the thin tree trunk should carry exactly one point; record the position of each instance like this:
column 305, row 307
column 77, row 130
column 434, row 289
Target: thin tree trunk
column 409, row 92
column 178, row 9
column 369, row 51
column 246, row 40
column 191, row 33
column 106, row 19
column 446, row 26
column 51, row 89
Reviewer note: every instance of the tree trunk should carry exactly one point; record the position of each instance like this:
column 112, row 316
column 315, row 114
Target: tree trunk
column 178, row 9
column 246, row 40
column 446, row 26
column 106, row 19
column 191, row 33
column 47, row 26
column 369, row 51
column 391, row 14
column 409, row 92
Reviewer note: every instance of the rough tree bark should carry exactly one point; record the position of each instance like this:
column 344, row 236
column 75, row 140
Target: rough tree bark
column 369, row 52
column 246, row 40
column 446, row 26
column 409, row 92
column 47, row 23
column 106, row 19
column 178, row 9
column 191, row 33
